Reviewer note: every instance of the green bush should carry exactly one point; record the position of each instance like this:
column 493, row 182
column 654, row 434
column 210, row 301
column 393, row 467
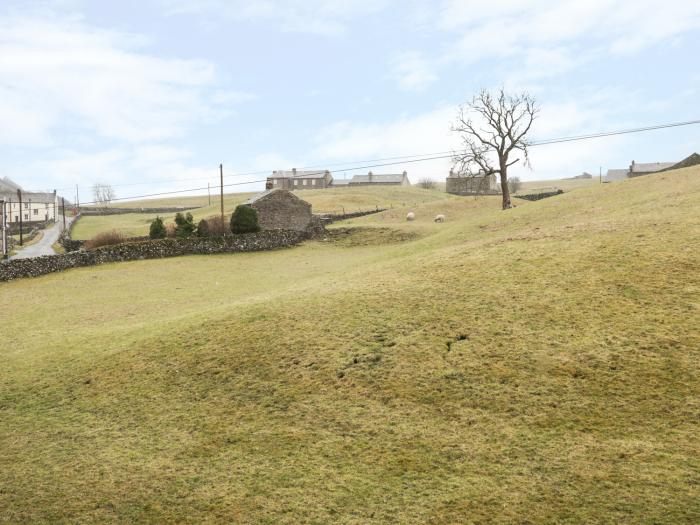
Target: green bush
column 244, row 220
column 184, row 225
column 157, row 230
column 203, row 228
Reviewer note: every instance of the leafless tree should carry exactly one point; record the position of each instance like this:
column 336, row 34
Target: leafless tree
column 426, row 183
column 103, row 193
column 514, row 184
column 503, row 121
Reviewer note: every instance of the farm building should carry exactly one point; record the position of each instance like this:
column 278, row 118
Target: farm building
column 36, row 207
column 389, row 179
column 300, row 180
column 615, row 175
column 637, row 169
column 472, row 184
column 280, row 209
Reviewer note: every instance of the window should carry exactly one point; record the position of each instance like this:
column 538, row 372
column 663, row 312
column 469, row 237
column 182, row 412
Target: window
column 26, row 205
column 16, row 218
column 26, row 216
column 36, row 211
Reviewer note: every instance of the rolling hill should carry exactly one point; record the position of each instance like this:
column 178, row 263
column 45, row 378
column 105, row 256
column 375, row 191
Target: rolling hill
column 538, row 365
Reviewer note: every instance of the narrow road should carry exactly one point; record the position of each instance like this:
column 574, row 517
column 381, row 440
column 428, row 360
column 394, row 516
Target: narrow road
column 43, row 246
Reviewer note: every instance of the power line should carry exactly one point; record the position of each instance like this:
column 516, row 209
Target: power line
column 406, row 159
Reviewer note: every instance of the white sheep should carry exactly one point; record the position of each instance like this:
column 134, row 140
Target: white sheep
column 439, row 218
column 410, row 216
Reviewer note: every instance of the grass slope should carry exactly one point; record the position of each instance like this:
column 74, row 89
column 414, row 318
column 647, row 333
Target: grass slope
column 538, row 365
column 323, row 201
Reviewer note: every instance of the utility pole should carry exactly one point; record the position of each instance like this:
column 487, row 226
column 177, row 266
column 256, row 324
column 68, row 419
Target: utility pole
column 54, row 207
column 77, row 198
column 4, row 229
column 600, row 174
column 209, row 192
column 63, row 209
column 221, row 175
column 21, row 238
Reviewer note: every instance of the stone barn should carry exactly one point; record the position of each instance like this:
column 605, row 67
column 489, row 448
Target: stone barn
column 281, row 210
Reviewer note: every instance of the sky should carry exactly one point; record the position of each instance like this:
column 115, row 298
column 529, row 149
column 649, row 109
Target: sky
column 152, row 95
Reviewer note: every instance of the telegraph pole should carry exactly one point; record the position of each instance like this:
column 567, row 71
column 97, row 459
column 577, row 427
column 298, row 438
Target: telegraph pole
column 21, row 238
column 63, row 209
column 209, row 192
column 4, row 229
column 77, row 198
column 221, row 175
column 600, row 174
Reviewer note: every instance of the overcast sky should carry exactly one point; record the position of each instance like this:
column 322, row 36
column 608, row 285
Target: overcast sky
column 134, row 93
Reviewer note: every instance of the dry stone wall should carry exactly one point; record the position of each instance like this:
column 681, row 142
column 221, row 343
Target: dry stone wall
column 133, row 251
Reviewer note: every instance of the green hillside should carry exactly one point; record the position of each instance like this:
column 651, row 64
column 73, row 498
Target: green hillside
column 538, row 365
column 323, row 201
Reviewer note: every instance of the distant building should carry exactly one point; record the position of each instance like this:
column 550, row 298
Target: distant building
column 637, row 169
column 390, row 179
column 472, row 184
column 300, row 180
column 584, row 175
column 615, row 175
column 280, row 209
column 36, row 207
column 646, row 168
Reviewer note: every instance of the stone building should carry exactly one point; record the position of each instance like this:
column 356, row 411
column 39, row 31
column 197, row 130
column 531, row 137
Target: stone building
column 300, row 180
column 36, row 207
column 388, row 179
column 472, row 184
column 645, row 168
column 280, row 209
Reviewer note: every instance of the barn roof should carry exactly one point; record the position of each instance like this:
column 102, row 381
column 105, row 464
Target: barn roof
column 384, row 178
column 267, row 193
column 308, row 174
column 650, row 167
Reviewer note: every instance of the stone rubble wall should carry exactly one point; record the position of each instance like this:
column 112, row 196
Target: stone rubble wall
column 328, row 218
column 133, row 251
column 70, row 245
column 539, row 196
column 122, row 211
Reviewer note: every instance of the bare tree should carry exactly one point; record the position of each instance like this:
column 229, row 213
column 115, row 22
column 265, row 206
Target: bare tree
column 487, row 145
column 103, row 193
column 426, row 183
column 514, row 184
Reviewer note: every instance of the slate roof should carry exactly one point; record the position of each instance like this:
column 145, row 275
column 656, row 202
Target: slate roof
column 456, row 175
column 267, row 193
column 616, row 174
column 650, row 167
column 341, row 182
column 379, row 179
column 308, row 174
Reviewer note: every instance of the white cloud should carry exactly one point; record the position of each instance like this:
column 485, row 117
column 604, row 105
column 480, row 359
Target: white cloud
column 413, row 71
column 62, row 78
column 535, row 39
column 323, row 17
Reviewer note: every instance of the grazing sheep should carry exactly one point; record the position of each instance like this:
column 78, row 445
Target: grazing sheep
column 410, row 216
column 439, row 218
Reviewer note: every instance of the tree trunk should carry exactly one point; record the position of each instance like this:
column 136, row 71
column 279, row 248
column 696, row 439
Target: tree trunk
column 505, row 190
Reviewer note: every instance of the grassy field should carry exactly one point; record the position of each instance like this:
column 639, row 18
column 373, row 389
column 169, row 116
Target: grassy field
column 531, row 186
column 539, row 365
column 323, row 201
